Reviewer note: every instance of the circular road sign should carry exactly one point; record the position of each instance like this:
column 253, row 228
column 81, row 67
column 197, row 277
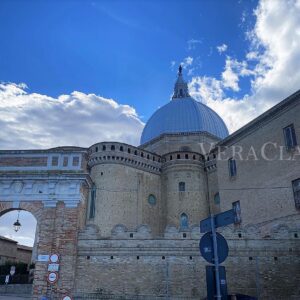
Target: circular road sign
column 207, row 249
column 54, row 258
column 52, row 277
column 67, row 298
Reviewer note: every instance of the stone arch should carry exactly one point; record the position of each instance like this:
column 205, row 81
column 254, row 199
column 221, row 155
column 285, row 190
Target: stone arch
column 57, row 232
column 119, row 229
column 35, row 208
column 280, row 231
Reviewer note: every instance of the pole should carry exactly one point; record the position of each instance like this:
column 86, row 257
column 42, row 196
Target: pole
column 216, row 257
column 257, row 277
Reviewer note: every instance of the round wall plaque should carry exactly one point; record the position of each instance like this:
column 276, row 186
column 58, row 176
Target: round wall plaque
column 54, row 258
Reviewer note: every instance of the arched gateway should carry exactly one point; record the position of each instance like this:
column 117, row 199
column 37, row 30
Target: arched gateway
column 52, row 185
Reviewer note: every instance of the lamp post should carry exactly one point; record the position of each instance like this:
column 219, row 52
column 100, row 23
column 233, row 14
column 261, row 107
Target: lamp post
column 17, row 224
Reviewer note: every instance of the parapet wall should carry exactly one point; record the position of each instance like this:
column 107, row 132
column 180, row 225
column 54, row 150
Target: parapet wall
column 139, row 267
column 132, row 264
column 114, row 152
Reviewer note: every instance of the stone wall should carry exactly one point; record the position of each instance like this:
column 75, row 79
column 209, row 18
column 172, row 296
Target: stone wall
column 8, row 250
column 58, row 229
column 263, row 185
column 122, row 198
column 192, row 201
column 172, row 268
column 193, row 142
column 24, row 254
column 213, row 187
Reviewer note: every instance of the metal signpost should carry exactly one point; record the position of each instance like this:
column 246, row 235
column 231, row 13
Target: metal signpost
column 214, row 248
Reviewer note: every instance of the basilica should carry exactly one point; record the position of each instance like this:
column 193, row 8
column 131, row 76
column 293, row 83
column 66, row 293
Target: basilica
column 124, row 220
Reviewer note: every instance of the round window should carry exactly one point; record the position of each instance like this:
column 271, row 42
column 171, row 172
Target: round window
column 151, row 200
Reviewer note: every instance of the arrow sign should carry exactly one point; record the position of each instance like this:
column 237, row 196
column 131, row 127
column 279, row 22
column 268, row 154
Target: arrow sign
column 222, row 219
column 225, row 218
column 205, row 225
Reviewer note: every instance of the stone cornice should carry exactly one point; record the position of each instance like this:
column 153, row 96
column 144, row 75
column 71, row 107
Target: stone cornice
column 204, row 133
column 48, row 189
column 124, row 154
column 65, row 149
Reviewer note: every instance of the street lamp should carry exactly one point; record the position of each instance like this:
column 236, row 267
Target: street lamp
column 17, row 224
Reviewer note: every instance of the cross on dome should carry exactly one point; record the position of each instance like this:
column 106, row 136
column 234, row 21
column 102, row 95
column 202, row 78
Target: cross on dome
column 181, row 88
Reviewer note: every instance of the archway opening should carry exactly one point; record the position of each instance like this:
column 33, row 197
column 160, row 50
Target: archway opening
column 17, row 246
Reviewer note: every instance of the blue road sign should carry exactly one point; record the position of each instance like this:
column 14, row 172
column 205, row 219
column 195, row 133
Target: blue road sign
column 207, row 250
column 221, row 219
column 205, row 225
column 225, row 218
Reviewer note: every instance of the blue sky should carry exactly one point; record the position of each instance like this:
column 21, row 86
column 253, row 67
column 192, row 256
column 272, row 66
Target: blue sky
column 81, row 72
column 118, row 49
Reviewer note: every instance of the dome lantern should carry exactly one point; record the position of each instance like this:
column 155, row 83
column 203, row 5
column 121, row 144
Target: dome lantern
column 181, row 88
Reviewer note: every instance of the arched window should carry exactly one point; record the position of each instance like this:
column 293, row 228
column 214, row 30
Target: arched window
column 128, row 150
column 92, row 202
column 112, row 147
column 121, row 148
column 181, row 186
column 178, row 156
column 103, row 147
column 152, row 199
column 135, row 152
column 184, row 221
column 217, row 198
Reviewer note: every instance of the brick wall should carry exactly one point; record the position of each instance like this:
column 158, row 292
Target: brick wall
column 173, row 268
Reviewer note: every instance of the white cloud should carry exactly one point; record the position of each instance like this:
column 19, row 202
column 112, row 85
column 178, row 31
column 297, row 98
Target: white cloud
column 192, row 43
column 173, row 63
column 233, row 70
column 188, row 61
column 252, row 55
column 31, row 120
column 222, row 48
column 230, row 78
column 274, row 50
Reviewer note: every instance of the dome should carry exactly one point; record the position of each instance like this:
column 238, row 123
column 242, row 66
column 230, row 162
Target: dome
column 183, row 114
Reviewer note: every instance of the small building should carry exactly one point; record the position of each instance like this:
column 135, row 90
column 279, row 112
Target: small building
column 11, row 251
